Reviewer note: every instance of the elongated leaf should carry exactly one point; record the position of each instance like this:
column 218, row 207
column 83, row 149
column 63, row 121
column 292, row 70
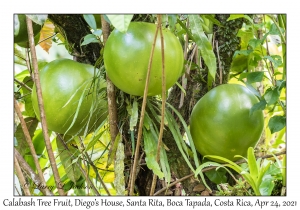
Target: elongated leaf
column 113, row 152
column 236, row 16
column 204, row 46
column 150, row 145
column 69, row 158
column 196, row 160
column 165, row 165
column 217, row 176
column 22, row 145
column 178, row 139
column 213, row 19
column 276, row 123
column 90, row 38
column 252, row 164
column 267, row 185
column 120, row 22
column 90, row 19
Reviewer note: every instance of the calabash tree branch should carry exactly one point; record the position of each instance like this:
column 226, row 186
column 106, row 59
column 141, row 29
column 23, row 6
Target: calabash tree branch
column 29, row 142
column 211, row 168
column 21, row 177
column 111, row 95
column 41, row 107
column 22, row 84
column 163, row 103
column 140, row 130
column 30, row 173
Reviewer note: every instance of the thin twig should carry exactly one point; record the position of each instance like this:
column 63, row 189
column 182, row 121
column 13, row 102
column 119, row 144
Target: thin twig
column 23, row 84
column 31, row 174
column 29, row 142
column 111, row 96
column 161, row 131
column 94, row 168
column 140, row 130
column 21, row 177
column 211, row 168
column 41, row 107
column 80, row 167
column 220, row 63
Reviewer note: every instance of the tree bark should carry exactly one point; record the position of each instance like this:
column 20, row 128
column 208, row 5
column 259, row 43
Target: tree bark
column 74, row 28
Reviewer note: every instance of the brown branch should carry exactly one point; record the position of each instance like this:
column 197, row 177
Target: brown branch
column 31, row 174
column 211, row 168
column 23, row 84
column 111, row 95
column 161, row 131
column 41, row 107
column 29, row 142
column 140, row 130
column 21, row 177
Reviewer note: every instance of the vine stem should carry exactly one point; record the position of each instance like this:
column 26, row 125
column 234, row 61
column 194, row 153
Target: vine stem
column 211, row 168
column 41, row 107
column 140, row 130
column 161, row 131
column 111, row 96
column 30, row 144
column 30, row 173
column 21, row 177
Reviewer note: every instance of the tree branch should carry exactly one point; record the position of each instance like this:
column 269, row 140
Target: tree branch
column 30, row 144
column 31, row 174
column 163, row 104
column 21, row 177
column 41, row 107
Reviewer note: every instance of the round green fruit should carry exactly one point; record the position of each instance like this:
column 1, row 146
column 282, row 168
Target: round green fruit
column 69, row 101
column 126, row 59
column 20, row 32
column 221, row 123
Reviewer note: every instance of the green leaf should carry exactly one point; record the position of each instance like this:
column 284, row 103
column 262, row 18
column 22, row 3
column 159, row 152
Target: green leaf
column 172, row 19
column 255, row 77
column 275, row 59
column 90, row 19
column 253, row 168
column 274, row 30
column 113, row 150
column 276, row 123
column 90, row 38
column 29, row 111
column 239, row 63
column 236, row 16
column 150, row 146
column 22, row 146
column 267, row 185
column 217, row 176
column 204, row 46
column 272, row 96
column 254, row 43
column 246, row 36
column 242, row 52
column 68, row 158
column 261, row 105
column 120, row 22
column 213, row 20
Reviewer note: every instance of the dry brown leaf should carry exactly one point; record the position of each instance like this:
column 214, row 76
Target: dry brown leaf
column 46, row 35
